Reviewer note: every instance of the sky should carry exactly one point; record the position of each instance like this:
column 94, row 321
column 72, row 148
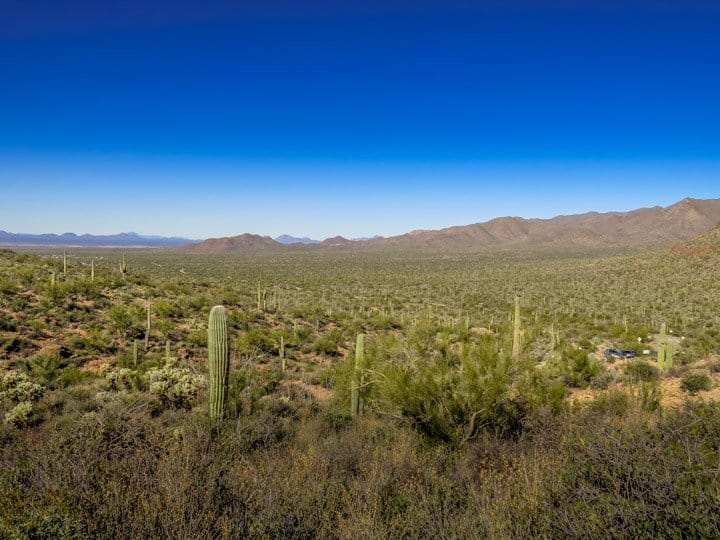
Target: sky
column 318, row 118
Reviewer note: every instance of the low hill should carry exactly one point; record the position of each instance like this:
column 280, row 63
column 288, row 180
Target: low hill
column 243, row 243
column 335, row 241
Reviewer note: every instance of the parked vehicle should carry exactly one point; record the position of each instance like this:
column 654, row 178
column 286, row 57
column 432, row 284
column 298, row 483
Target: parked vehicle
column 613, row 353
column 628, row 353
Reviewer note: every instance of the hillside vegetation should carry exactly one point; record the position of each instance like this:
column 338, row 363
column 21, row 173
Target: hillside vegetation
column 461, row 418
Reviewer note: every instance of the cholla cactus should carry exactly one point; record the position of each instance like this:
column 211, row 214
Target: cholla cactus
column 176, row 387
column 17, row 389
column 21, row 415
column 121, row 379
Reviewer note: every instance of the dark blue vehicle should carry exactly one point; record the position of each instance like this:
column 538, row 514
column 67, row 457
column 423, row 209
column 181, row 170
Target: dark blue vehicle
column 628, row 353
column 613, row 353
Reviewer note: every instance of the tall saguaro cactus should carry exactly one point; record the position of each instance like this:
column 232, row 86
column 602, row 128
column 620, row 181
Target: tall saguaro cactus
column 219, row 362
column 665, row 349
column 662, row 347
column 281, row 353
column 355, row 381
column 147, row 328
column 517, row 332
column 135, row 353
column 92, row 270
column 65, row 262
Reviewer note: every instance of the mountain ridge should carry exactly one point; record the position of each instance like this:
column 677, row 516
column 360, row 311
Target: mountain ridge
column 644, row 228
column 69, row 239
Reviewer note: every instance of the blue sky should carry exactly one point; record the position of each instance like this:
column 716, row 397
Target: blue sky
column 321, row 118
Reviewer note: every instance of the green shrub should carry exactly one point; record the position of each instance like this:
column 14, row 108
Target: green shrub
column 694, row 383
column 580, row 368
column 328, row 343
column 255, row 341
column 641, row 371
column 601, row 381
column 459, row 397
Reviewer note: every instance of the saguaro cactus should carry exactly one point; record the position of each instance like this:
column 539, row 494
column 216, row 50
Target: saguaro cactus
column 123, row 266
column 92, row 270
column 665, row 349
column 65, row 262
column 356, row 376
column 517, row 335
column 662, row 347
column 281, row 352
column 219, row 362
column 147, row 328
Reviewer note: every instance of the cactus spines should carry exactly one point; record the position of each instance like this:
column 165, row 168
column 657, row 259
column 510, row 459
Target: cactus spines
column 219, row 362
column 281, row 352
column 517, row 332
column 355, row 382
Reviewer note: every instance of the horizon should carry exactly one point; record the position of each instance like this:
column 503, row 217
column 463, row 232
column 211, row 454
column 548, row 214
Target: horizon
column 300, row 238
column 356, row 120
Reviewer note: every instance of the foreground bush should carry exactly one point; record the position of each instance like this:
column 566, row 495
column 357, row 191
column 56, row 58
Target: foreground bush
column 611, row 470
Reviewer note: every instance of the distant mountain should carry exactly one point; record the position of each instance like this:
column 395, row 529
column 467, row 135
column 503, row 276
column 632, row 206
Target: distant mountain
column 243, row 243
column 287, row 239
column 638, row 229
column 360, row 239
column 646, row 228
column 335, row 241
column 129, row 239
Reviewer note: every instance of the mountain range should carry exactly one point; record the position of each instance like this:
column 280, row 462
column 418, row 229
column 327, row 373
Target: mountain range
column 129, row 239
column 645, row 228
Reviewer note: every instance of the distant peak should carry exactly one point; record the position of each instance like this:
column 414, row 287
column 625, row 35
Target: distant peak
column 335, row 241
column 289, row 239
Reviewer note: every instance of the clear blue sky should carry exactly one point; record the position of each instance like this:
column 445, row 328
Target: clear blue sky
column 355, row 118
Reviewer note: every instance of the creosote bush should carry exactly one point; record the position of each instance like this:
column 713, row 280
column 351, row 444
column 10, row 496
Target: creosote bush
column 695, row 383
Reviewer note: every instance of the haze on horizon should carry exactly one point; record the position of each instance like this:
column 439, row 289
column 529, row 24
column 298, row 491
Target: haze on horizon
column 353, row 118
